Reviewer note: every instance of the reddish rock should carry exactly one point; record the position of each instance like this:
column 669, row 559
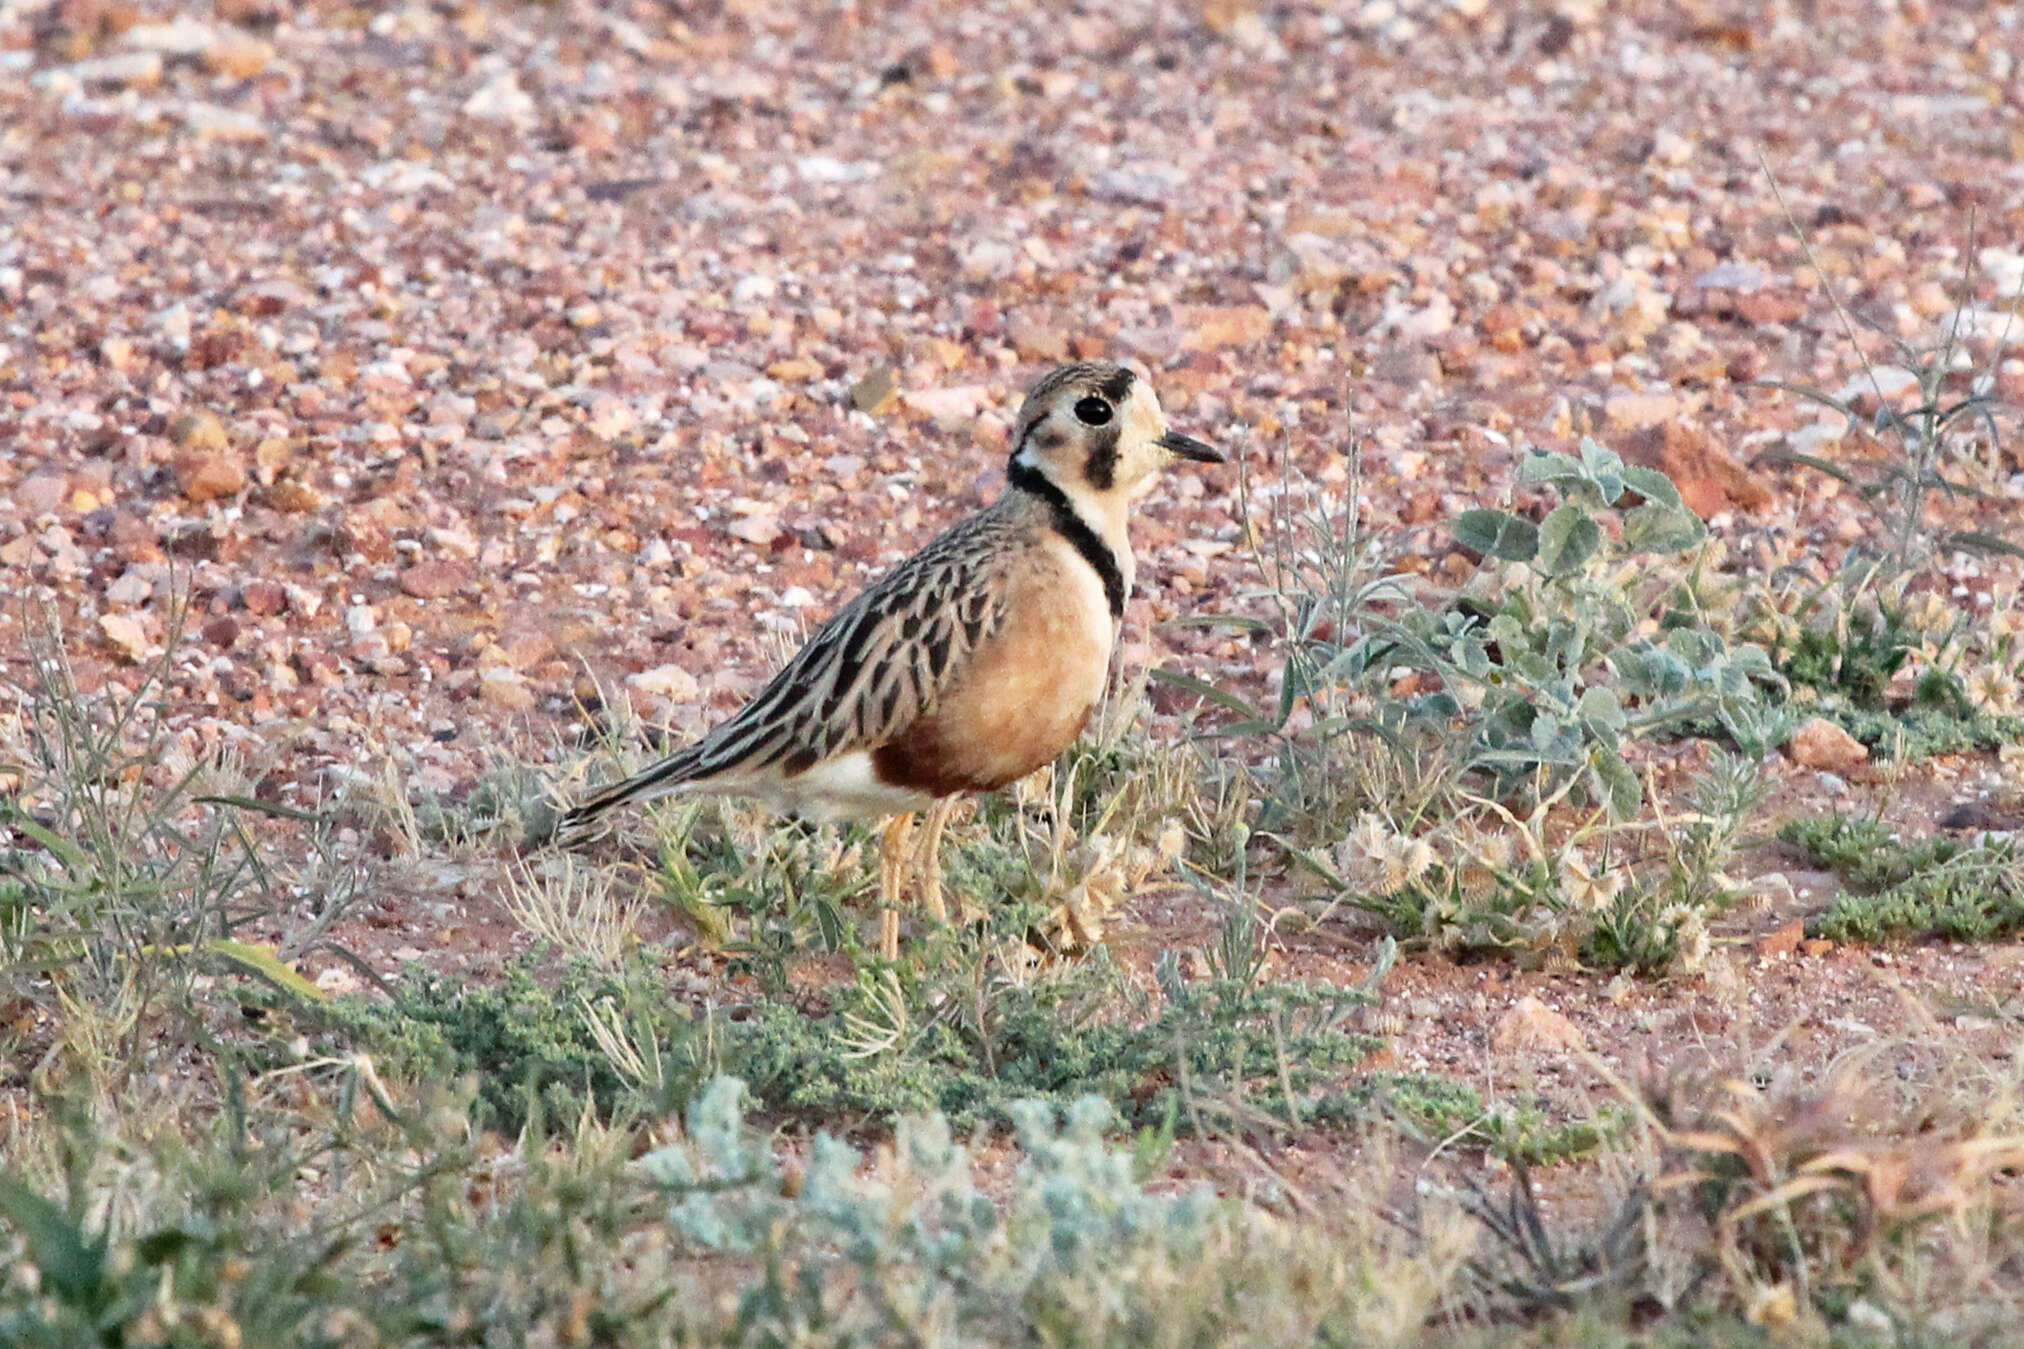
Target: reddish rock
column 795, row 369
column 1771, row 306
column 1782, row 941
column 525, row 648
column 204, row 476
column 199, row 432
column 133, row 539
column 319, row 668
column 503, row 687
column 1532, row 1025
column 1709, row 477
column 263, row 599
column 239, row 57
column 1823, row 745
column 435, row 579
column 293, row 497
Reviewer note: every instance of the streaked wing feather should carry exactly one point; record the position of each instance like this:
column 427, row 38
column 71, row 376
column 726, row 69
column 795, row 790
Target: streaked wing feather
column 878, row 665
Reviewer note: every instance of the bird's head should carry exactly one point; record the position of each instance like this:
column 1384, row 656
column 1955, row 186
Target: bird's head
column 1095, row 429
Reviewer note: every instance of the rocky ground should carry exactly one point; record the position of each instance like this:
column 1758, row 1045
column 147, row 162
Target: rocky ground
column 456, row 360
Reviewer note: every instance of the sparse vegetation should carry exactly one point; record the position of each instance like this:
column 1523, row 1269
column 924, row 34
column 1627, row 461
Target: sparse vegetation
column 1469, row 771
column 1898, row 889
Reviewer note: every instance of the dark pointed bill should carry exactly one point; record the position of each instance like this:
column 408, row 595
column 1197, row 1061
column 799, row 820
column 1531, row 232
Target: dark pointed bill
column 1189, row 448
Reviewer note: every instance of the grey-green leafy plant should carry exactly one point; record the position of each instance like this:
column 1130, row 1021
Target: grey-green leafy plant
column 1579, row 642
column 1659, row 919
column 919, row 1240
column 1321, row 575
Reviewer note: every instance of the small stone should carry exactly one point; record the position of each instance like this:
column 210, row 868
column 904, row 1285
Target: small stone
column 502, row 686
column 295, row 498
column 1822, row 744
column 1433, row 319
column 271, row 455
column 304, row 601
column 125, row 635
column 212, row 122
column 434, row 579
column 336, row 980
column 1782, row 941
column 669, row 681
column 524, row 648
column 1929, row 300
column 222, row 631
column 182, row 36
column 41, row 494
column 1637, row 411
column 1771, row 306
column 949, row 408
column 263, row 599
column 1816, row 947
column 134, row 70
column 1745, row 365
column 206, row 477
column 1134, row 183
column 610, row 418
column 1213, row 327
column 265, row 299
column 200, row 431
column 239, row 57
column 1532, row 1025
column 1309, row 263
column 1742, row 277
column 794, row 368
column 1504, row 325
column 130, row 590
column 1710, row 477
column 501, row 99
column 1036, row 341
column 117, row 352
column 1407, row 365
column 873, row 393
column 756, row 529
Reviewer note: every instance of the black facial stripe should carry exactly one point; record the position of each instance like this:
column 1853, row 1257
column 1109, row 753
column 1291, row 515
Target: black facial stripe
column 1075, row 529
column 1117, row 388
column 1101, row 469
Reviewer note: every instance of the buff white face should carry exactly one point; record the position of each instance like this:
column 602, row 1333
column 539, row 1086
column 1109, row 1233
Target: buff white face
column 1097, row 428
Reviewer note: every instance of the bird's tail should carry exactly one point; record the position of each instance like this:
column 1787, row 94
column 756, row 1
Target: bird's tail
column 669, row 775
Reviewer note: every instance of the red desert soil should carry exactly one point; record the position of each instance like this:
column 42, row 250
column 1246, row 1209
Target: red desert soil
column 446, row 355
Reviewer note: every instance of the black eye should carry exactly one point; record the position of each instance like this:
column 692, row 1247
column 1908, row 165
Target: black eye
column 1092, row 411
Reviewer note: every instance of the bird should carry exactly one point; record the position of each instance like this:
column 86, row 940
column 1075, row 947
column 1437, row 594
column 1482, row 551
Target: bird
column 971, row 664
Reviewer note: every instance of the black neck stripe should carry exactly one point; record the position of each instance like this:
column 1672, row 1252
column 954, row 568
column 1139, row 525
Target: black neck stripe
column 1073, row 528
